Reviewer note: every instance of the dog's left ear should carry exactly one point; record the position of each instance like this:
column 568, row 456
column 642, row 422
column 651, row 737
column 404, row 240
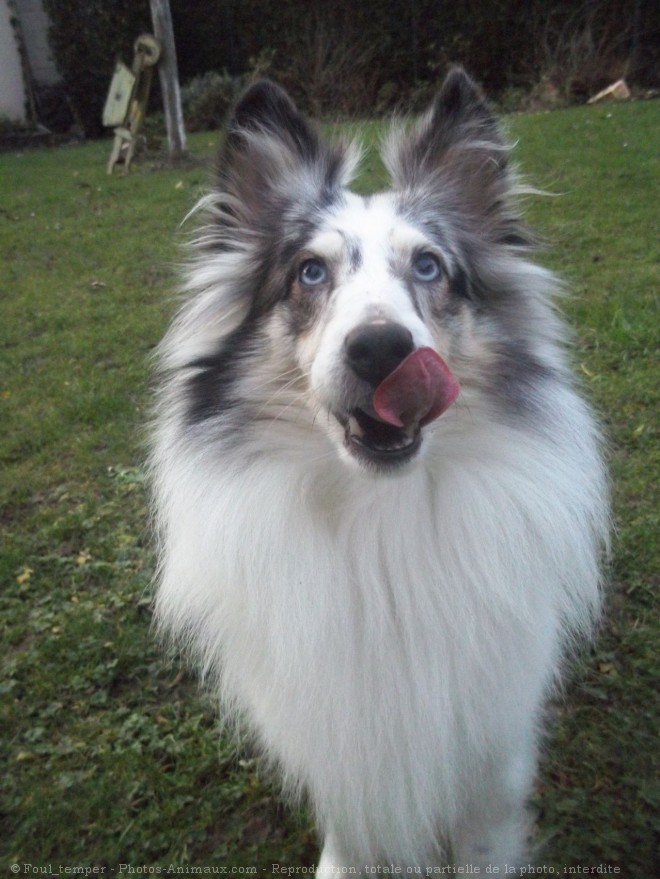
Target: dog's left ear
column 459, row 133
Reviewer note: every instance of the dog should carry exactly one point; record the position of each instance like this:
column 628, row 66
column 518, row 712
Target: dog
column 380, row 498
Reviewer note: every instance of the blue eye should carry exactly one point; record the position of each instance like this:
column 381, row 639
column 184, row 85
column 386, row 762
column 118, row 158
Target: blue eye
column 426, row 267
column 312, row 273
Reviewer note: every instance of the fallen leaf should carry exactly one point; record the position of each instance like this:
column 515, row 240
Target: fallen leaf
column 24, row 576
column 22, row 756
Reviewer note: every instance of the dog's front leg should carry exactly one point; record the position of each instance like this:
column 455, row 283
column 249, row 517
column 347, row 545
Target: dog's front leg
column 494, row 830
column 332, row 860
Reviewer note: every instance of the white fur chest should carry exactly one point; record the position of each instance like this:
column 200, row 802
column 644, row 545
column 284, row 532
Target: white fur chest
column 338, row 610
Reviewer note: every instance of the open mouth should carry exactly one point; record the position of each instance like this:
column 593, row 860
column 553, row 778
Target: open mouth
column 376, row 441
column 415, row 393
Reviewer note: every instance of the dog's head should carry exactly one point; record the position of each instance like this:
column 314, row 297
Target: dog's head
column 377, row 306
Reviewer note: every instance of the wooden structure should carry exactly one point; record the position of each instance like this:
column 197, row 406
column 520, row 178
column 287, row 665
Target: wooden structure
column 161, row 18
column 126, row 104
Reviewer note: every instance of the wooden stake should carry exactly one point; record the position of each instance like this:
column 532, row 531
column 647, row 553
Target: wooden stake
column 169, row 78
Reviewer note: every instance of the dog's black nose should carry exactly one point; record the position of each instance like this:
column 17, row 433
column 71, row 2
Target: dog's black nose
column 375, row 349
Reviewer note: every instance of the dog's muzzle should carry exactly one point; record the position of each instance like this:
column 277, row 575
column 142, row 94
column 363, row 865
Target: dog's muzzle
column 404, row 388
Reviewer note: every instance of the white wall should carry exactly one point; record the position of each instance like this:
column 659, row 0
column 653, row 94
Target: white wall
column 12, row 89
column 34, row 27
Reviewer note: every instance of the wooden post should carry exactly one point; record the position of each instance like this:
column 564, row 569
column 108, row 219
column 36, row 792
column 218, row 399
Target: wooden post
column 169, row 77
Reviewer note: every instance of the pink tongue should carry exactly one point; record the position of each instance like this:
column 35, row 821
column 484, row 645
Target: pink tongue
column 417, row 391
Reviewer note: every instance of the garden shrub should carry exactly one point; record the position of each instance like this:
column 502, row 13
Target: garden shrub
column 207, row 98
column 346, row 58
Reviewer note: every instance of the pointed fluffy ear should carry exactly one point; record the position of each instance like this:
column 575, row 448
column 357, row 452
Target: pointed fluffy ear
column 456, row 162
column 458, row 132
column 266, row 109
column 272, row 156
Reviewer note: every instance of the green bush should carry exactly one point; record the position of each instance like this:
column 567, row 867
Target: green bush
column 346, row 58
column 207, row 98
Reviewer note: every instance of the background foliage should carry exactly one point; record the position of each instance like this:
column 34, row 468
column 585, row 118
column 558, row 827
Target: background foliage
column 344, row 58
column 87, row 36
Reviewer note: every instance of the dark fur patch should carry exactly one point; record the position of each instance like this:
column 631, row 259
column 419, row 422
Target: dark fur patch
column 517, row 379
column 303, row 305
column 354, row 254
column 211, row 387
column 459, row 285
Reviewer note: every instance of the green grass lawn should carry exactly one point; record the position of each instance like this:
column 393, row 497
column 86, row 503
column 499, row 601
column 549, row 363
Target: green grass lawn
column 110, row 754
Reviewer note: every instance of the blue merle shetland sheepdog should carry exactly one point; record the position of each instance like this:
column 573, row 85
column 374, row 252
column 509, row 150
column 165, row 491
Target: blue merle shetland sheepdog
column 380, row 498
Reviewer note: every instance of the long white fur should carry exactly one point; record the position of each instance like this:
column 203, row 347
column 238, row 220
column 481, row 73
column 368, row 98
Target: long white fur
column 391, row 640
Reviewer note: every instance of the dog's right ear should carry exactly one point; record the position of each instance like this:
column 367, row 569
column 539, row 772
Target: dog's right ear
column 266, row 109
column 272, row 155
